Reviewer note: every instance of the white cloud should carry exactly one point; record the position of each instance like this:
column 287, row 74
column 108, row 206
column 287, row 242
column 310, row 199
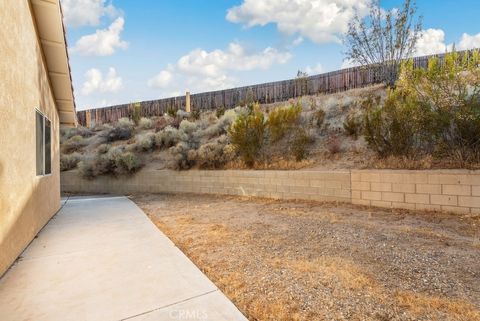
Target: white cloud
column 96, row 82
column 317, row 69
column 163, row 79
column 321, row 21
column 103, row 42
column 77, row 13
column 469, row 42
column 431, row 41
column 201, row 70
column 297, row 41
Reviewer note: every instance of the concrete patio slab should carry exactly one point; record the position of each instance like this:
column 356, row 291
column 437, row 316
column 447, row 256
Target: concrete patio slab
column 101, row 258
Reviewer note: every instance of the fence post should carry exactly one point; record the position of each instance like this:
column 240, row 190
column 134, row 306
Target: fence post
column 187, row 101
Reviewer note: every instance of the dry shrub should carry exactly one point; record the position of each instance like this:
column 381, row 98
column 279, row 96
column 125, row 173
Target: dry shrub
column 214, row 155
column 122, row 130
column 160, row 123
column 183, row 156
column 188, row 127
column 333, row 145
column 301, row 141
column 353, row 125
column 145, row 142
column 145, row 123
column 319, row 117
column 169, row 137
column 74, row 144
column 221, row 126
column 68, row 132
column 181, row 114
column 115, row 161
column 103, row 149
column 68, row 162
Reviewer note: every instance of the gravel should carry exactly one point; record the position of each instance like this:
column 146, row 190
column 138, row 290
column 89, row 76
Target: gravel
column 293, row 260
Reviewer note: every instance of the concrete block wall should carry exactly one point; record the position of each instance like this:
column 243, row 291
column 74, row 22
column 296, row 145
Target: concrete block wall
column 310, row 185
column 443, row 190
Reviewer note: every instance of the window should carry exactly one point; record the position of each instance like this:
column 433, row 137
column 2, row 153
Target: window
column 43, row 140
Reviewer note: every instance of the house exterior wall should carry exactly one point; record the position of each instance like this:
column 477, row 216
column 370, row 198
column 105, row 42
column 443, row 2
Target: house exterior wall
column 27, row 202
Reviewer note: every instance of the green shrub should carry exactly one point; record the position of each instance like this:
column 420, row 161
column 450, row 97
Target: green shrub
column 135, row 112
column 281, row 120
column 195, row 114
column 68, row 162
column 127, row 163
column 300, row 143
column 169, row 137
column 145, row 123
column 172, row 111
column 393, row 128
column 450, row 91
column 220, row 111
column 247, row 135
column 353, row 125
column 74, row 144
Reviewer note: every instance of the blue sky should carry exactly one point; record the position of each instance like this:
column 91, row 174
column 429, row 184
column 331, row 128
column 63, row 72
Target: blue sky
column 123, row 51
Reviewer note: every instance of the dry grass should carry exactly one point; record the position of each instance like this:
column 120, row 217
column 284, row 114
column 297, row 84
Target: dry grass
column 420, row 304
column 279, row 260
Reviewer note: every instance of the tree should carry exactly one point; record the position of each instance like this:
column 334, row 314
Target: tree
column 383, row 38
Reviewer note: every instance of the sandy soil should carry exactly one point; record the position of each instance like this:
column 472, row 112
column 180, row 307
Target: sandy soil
column 287, row 260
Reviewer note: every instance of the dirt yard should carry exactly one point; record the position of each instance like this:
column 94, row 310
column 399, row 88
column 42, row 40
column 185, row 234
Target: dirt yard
column 286, row 260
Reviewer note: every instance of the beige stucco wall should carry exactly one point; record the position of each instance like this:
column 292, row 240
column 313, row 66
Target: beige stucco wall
column 443, row 190
column 27, row 202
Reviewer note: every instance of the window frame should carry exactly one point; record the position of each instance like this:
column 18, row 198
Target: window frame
column 44, row 149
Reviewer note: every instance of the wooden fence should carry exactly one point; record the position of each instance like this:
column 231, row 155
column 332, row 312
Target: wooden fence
column 331, row 82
